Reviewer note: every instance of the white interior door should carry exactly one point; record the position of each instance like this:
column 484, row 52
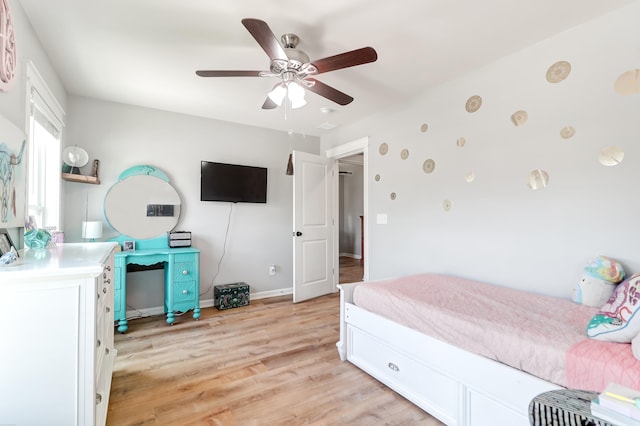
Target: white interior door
column 313, row 247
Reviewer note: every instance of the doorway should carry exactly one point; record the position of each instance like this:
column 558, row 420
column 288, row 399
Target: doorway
column 351, row 218
column 352, row 154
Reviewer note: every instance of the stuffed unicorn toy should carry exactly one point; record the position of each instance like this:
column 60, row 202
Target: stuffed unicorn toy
column 601, row 275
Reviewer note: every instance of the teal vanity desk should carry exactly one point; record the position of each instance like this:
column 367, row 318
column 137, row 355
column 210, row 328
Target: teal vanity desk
column 181, row 277
column 143, row 206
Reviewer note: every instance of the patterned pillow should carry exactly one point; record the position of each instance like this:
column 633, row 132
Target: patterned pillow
column 617, row 320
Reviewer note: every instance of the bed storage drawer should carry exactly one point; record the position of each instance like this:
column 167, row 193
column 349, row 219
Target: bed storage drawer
column 483, row 410
column 425, row 387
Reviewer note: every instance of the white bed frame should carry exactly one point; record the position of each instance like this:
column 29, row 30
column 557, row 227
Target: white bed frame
column 455, row 386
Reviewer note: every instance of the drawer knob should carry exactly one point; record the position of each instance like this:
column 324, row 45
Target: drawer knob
column 107, row 281
column 98, row 398
column 107, row 309
column 99, row 343
column 185, row 292
column 104, row 290
column 185, row 272
column 393, row 367
column 108, row 267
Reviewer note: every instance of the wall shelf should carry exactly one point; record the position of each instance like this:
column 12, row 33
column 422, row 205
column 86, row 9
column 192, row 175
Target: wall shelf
column 80, row 178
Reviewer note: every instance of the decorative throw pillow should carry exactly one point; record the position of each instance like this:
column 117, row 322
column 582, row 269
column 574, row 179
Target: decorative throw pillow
column 618, row 320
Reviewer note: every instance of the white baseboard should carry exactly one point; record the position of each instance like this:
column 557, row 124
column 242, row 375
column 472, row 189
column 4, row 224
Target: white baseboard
column 351, row 255
column 206, row 303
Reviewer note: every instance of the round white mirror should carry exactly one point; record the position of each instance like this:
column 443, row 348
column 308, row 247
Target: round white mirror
column 142, row 204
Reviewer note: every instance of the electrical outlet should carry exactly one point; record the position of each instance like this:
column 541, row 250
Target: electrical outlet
column 272, row 270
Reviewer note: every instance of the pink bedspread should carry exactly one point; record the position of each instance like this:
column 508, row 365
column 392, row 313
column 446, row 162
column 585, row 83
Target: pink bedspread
column 542, row 335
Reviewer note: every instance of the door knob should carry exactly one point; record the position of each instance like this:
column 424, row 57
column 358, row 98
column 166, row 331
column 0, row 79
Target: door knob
column 297, row 234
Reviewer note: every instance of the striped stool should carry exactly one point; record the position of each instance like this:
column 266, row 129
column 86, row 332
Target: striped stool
column 564, row 407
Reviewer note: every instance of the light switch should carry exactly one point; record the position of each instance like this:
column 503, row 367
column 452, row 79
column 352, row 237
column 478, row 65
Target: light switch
column 381, row 218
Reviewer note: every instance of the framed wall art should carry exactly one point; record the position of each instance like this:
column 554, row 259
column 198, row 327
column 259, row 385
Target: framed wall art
column 5, row 242
column 13, row 161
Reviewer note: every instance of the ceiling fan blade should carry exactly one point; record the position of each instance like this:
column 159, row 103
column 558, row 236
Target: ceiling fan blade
column 265, row 38
column 346, row 60
column 225, row 73
column 269, row 104
column 329, row 92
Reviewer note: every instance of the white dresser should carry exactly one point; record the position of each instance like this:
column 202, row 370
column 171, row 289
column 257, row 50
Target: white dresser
column 56, row 336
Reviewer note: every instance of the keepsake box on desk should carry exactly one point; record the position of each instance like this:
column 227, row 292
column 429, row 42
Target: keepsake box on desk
column 181, row 276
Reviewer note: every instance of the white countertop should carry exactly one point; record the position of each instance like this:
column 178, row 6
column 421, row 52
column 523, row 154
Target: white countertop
column 62, row 260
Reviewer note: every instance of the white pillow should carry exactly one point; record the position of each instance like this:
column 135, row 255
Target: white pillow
column 618, row 320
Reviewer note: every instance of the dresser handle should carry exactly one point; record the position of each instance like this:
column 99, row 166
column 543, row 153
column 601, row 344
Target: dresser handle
column 107, row 309
column 108, row 267
column 185, row 292
column 98, row 398
column 99, row 343
column 106, row 351
column 185, row 272
column 393, row 367
column 104, row 290
column 107, row 281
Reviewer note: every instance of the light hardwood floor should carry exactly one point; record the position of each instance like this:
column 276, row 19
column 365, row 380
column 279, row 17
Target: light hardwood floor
column 270, row 363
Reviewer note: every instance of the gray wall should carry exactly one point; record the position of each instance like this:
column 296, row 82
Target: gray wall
column 499, row 230
column 121, row 136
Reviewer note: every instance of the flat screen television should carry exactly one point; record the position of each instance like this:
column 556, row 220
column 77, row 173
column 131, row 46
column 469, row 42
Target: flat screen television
column 232, row 183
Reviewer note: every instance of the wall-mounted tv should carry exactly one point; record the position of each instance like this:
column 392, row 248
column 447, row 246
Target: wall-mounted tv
column 232, row 183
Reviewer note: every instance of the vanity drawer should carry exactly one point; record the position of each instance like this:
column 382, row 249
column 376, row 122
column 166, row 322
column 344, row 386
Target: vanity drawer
column 184, row 292
column 184, row 271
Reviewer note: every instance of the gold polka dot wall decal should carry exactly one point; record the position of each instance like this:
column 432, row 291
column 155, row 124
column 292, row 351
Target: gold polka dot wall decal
column 404, row 154
column 429, row 166
column 377, row 178
column 460, row 142
column 567, row 132
column 424, row 128
column 446, row 205
column 392, row 196
column 519, row 117
column 611, row 156
column 628, row 83
column 538, row 179
column 558, row 71
column 473, row 103
column 470, row 177
column 384, row 148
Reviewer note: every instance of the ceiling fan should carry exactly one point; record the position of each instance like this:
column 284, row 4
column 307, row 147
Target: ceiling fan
column 294, row 69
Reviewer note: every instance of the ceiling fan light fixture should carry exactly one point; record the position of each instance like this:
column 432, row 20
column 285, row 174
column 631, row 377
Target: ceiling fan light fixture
column 277, row 94
column 295, row 93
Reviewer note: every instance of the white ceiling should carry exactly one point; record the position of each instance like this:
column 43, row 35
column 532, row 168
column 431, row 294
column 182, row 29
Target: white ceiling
column 145, row 52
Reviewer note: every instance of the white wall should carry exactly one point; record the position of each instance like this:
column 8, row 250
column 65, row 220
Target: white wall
column 12, row 102
column 498, row 229
column 121, row 136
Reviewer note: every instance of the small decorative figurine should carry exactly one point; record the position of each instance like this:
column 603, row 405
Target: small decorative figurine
column 95, row 169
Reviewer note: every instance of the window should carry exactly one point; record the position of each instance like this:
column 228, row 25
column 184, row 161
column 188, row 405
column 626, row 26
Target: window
column 44, row 131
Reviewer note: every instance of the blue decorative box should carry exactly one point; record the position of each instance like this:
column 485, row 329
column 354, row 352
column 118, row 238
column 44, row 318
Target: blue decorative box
column 231, row 295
